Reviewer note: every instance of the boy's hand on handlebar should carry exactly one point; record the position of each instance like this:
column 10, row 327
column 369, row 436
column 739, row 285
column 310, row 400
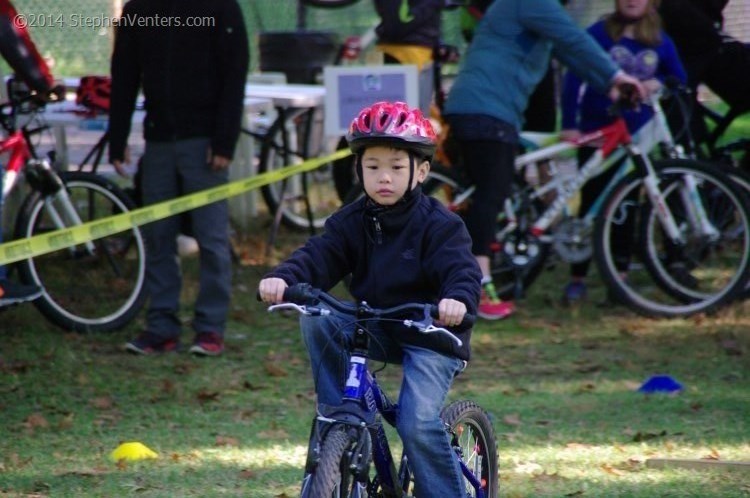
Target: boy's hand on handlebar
column 271, row 290
column 451, row 312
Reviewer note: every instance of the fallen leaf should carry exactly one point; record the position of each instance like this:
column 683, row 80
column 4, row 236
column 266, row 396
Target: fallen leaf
column 611, row 470
column 273, row 434
column 274, row 370
column 102, row 403
column 512, row 419
column 36, row 421
column 227, row 441
column 713, row 455
column 66, row 422
column 247, row 474
column 205, row 396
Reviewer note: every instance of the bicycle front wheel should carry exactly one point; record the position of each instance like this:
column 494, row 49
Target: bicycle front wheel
column 96, row 286
column 667, row 279
column 472, row 432
column 332, row 477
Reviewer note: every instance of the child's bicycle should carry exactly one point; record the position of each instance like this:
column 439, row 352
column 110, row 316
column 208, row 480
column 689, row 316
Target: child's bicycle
column 688, row 223
column 95, row 286
column 347, row 440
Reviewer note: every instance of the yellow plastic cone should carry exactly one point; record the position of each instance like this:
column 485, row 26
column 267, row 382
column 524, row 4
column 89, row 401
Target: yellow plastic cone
column 132, row 451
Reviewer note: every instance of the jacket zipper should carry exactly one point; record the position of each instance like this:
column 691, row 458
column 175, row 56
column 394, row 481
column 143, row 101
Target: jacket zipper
column 378, row 230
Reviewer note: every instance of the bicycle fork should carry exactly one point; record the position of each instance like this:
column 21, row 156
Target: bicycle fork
column 42, row 178
column 689, row 195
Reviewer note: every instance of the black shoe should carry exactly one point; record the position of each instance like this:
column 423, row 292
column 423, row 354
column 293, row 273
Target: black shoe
column 150, row 344
column 13, row 293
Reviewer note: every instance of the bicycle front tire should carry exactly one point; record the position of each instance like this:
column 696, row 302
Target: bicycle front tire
column 332, row 477
column 710, row 271
column 473, row 432
column 85, row 290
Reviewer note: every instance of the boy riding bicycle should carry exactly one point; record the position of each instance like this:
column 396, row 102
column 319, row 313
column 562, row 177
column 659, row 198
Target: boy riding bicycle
column 398, row 245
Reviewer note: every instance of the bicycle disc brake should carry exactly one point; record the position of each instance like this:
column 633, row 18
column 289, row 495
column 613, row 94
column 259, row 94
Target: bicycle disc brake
column 572, row 240
column 523, row 250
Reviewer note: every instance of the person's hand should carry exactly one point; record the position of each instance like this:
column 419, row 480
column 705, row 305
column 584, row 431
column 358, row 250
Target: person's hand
column 271, row 290
column 621, row 85
column 58, row 92
column 218, row 162
column 120, row 167
column 570, row 135
column 451, row 312
column 652, row 86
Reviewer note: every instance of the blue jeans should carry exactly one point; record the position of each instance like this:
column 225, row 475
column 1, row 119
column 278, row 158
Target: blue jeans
column 427, row 377
column 170, row 170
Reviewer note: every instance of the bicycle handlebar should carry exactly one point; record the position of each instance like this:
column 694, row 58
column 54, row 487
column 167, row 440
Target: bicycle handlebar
column 302, row 298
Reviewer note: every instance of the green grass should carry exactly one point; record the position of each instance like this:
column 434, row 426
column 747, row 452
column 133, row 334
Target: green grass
column 560, row 384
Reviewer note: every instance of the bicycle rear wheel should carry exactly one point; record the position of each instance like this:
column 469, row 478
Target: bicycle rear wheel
column 664, row 279
column 515, row 255
column 474, row 436
column 320, row 188
column 88, row 287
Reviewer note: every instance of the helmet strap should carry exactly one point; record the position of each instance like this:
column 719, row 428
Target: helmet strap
column 412, row 170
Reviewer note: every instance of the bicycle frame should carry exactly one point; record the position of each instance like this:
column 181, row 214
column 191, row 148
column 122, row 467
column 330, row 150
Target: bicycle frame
column 45, row 179
column 19, row 151
column 616, row 142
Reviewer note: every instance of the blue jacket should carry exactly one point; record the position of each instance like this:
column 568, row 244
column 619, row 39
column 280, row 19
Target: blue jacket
column 510, row 54
column 589, row 111
column 415, row 252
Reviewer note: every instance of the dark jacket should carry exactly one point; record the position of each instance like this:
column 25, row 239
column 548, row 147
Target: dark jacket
column 420, row 25
column 421, row 253
column 193, row 77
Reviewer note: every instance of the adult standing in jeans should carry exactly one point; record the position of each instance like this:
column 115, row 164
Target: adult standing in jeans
column 190, row 58
column 507, row 58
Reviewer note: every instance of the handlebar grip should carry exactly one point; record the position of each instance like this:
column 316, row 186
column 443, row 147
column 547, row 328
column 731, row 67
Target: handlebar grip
column 299, row 293
column 468, row 320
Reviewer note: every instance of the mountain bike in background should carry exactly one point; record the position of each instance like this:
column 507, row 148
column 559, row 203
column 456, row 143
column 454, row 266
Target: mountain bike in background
column 94, row 286
column 670, row 237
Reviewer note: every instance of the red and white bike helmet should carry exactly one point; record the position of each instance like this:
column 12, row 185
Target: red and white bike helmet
column 392, row 124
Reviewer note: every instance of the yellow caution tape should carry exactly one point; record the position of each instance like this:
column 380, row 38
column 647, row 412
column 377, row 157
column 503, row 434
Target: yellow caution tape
column 18, row 250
